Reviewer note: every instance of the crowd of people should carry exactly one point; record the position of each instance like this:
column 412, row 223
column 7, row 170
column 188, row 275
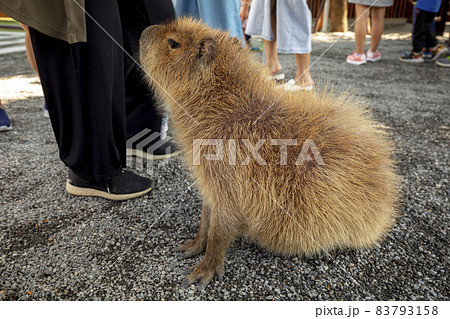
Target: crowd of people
column 425, row 45
column 94, row 89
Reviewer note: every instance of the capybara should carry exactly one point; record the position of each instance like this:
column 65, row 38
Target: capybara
column 295, row 172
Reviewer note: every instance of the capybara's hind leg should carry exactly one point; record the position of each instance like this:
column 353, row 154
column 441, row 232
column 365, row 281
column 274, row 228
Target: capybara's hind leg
column 197, row 245
column 222, row 231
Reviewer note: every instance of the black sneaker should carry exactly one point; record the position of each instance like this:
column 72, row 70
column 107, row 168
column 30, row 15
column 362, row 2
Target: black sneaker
column 152, row 147
column 125, row 185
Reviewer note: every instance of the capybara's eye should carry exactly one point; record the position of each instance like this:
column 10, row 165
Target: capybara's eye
column 173, row 44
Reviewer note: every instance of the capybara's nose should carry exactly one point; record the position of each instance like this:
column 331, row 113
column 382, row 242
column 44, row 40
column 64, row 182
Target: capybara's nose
column 148, row 31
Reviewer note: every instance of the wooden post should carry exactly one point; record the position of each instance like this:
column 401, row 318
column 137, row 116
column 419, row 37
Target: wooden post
column 338, row 20
column 319, row 18
column 326, row 13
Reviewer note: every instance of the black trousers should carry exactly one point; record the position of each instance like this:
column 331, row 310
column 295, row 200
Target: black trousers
column 94, row 93
column 424, row 36
column 135, row 17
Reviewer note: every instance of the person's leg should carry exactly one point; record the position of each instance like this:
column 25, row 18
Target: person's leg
column 270, row 47
column 145, row 129
column 29, row 48
column 362, row 13
column 431, row 43
column 421, row 25
column 303, row 75
column 84, row 90
column 141, row 105
column 358, row 57
column 31, row 57
column 429, row 34
column 272, row 62
column 377, row 27
column 299, row 42
column 416, row 54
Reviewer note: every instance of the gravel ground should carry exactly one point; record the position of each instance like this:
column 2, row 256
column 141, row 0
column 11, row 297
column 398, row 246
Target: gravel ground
column 57, row 247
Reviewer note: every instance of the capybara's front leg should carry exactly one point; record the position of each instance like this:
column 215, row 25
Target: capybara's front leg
column 197, row 245
column 222, row 231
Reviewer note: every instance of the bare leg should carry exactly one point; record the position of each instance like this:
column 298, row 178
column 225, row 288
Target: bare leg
column 361, row 27
column 29, row 47
column 272, row 61
column 221, row 233
column 377, row 27
column 270, row 47
column 303, row 75
column 198, row 244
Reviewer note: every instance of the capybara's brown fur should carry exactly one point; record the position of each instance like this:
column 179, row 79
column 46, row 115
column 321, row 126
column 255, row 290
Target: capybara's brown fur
column 215, row 89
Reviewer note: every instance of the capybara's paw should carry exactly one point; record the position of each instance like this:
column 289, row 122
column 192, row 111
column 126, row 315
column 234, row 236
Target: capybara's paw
column 192, row 248
column 204, row 272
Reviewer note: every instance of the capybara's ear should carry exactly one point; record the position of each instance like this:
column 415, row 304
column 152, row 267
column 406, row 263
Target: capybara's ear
column 206, row 49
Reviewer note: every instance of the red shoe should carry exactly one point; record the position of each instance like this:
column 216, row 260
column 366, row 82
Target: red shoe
column 373, row 56
column 356, row 58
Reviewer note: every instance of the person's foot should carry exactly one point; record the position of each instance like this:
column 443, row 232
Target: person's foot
column 5, row 124
column 373, row 56
column 291, row 85
column 445, row 62
column 438, row 52
column 125, row 185
column 356, row 58
column 274, row 67
column 302, row 82
column 411, row 57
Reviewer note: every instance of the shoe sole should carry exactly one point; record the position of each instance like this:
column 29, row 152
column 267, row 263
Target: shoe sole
column 374, row 60
column 443, row 64
column 356, row 62
column 295, row 88
column 146, row 156
column 5, row 128
column 411, row 60
column 84, row 191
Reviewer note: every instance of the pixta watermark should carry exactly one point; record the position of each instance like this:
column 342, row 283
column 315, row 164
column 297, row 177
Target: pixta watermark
column 232, row 147
column 147, row 150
